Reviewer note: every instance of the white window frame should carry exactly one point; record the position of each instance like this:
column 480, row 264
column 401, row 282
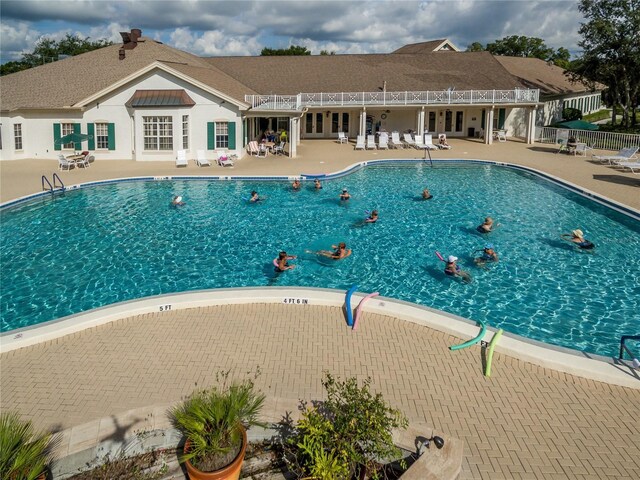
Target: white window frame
column 102, row 136
column 66, row 129
column 222, row 134
column 185, row 132
column 17, row 136
column 157, row 133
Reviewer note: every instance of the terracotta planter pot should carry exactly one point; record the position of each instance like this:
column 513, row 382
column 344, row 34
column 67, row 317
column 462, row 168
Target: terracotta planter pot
column 230, row 472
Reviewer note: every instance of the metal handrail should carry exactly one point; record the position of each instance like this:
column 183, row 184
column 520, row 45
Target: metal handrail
column 45, row 179
column 624, row 348
column 56, row 177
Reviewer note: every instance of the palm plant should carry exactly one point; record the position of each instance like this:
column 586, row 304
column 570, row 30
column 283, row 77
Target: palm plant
column 24, row 453
column 213, row 421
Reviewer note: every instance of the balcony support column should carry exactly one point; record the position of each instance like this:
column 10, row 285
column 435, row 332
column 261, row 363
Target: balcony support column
column 420, row 128
column 531, row 124
column 363, row 121
column 488, row 132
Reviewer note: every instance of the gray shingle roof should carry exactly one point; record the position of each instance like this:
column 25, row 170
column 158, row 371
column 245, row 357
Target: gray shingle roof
column 536, row 73
column 421, row 47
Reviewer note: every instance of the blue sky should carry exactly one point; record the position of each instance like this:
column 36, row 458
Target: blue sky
column 211, row 28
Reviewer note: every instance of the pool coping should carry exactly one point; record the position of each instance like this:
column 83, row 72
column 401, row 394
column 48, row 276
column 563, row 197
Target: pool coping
column 620, row 207
column 599, row 368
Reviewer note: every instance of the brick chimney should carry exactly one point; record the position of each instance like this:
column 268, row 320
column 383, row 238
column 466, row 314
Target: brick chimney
column 129, row 41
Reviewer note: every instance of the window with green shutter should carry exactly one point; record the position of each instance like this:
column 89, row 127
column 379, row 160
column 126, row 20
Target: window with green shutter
column 211, row 138
column 91, row 143
column 232, row 136
column 111, row 128
column 56, row 136
column 76, row 129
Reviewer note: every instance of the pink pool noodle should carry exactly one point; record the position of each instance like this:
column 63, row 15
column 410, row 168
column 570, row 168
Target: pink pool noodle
column 355, row 323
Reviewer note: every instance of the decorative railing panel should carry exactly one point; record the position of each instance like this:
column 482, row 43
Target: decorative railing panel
column 593, row 138
column 438, row 97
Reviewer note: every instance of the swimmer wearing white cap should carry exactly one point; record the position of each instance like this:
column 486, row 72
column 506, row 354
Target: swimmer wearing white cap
column 453, row 270
column 177, row 201
column 345, row 194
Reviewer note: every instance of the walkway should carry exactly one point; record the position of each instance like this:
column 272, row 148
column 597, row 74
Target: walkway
column 524, row 422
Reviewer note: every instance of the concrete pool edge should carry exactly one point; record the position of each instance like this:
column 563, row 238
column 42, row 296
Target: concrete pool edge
column 594, row 367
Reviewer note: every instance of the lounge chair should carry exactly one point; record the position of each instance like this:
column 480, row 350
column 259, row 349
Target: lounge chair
column 633, row 166
column 201, row 159
column 360, row 143
column 223, row 159
column 279, row 149
column 181, row 158
column 428, row 142
column 253, row 148
column 419, row 142
column 371, row 142
column 408, row 140
column 442, row 142
column 624, row 155
column 342, row 138
column 395, row 140
column 64, row 163
column 562, row 138
column 383, row 142
column 502, row 135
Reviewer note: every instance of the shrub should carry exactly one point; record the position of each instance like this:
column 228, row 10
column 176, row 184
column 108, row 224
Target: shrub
column 571, row 114
column 348, row 434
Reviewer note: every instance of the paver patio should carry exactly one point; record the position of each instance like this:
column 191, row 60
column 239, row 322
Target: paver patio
column 523, row 422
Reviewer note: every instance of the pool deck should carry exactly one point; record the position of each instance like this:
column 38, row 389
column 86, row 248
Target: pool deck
column 525, row 422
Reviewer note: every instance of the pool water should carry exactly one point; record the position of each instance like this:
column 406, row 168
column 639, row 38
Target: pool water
column 97, row 246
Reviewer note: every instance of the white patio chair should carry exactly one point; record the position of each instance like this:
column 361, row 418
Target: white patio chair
column 360, row 143
column 408, row 140
column 181, row 158
column 83, row 161
column 428, row 142
column 371, row 142
column 201, row 159
column 223, row 159
column 624, row 155
column 395, row 140
column 64, row 163
column 279, row 149
column 581, row 149
column 502, row 136
column 342, row 137
column 263, row 150
column 383, row 142
column 419, row 143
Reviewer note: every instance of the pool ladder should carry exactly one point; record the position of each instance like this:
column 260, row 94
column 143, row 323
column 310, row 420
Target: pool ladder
column 52, row 188
column 624, row 348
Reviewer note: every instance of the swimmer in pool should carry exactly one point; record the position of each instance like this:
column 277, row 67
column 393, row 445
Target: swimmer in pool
column 296, row 184
column 372, row 218
column 345, row 194
column 426, row 195
column 486, row 226
column 177, row 201
column 254, row 197
column 340, row 251
column 317, row 184
column 488, row 255
column 452, row 269
column 577, row 237
column 282, row 262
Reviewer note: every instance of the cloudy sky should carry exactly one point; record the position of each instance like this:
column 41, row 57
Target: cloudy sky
column 212, row 27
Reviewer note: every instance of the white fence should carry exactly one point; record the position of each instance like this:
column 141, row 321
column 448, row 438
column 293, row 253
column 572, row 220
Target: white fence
column 593, row 138
column 440, row 97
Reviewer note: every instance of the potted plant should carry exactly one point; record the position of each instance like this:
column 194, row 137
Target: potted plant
column 346, row 436
column 214, row 422
column 24, row 453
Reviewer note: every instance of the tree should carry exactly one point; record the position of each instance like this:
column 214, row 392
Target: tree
column 48, row 50
column 561, row 58
column 611, row 52
column 327, row 52
column 520, row 46
column 292, row 50
column 475, row 47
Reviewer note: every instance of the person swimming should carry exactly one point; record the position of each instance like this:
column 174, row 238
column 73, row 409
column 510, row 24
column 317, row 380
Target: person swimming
column 317, row 184
column 372, row 218
column 345, row 194
column 426, row 195
column 488, row 255
column 296, row 184
column 486, row 226
column 452, row 269
column 254, row 197
column 339, row 252
column 282, row 262
column 577, row 237
column 177, row 201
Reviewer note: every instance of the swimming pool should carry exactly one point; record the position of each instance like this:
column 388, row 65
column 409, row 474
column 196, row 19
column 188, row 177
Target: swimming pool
column 97, row 246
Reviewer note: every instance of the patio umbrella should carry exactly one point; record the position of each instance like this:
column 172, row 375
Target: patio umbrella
column 73, row 138
column 577, row 125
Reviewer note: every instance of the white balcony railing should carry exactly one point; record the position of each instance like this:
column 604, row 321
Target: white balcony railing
column 439, row 97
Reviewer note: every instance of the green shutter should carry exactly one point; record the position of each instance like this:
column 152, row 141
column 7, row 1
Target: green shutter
column 56, row 136
column 111, row 131
column 211, row 138
column 232, row 136
column 501, row 118
column 484, row 112
column 76, row 129
column 91, row 131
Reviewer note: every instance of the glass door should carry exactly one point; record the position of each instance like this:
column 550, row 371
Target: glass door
column 314, row 124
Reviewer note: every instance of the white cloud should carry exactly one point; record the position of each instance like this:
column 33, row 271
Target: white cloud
column 17, row 38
